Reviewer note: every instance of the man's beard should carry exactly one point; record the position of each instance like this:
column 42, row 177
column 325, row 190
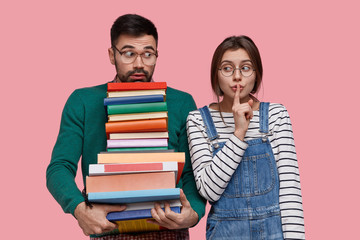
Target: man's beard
column 126, row 77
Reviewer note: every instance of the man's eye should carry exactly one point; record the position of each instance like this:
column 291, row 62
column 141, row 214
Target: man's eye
column 129, row 54
column 148, row 54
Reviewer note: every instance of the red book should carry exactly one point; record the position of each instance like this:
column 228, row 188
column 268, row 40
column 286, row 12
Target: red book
column 130, row 182
column 151, row 125
column 132, row 86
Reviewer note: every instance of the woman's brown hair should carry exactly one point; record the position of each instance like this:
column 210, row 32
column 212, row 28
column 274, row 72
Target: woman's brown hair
column 234, row 43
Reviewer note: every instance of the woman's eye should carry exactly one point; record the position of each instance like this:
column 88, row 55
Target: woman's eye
column 228, row 68
column 246, row 68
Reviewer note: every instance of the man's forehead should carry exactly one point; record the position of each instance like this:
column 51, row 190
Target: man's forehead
column 136, row 42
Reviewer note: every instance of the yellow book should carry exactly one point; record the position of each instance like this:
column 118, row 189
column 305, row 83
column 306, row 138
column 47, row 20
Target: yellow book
column 138, row 225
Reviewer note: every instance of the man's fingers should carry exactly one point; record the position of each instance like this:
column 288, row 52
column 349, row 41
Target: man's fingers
column 183, row 199
column 159, row 215
column 169, row 213
column 152, row 221
column 115, row 208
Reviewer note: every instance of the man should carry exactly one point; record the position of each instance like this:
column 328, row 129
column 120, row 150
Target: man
column 82, row 134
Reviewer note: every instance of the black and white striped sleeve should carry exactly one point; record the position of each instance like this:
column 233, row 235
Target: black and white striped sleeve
column 290, row 191
column 212, row 174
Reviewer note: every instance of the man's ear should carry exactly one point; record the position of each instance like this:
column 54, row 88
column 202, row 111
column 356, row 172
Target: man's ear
column 111, row 56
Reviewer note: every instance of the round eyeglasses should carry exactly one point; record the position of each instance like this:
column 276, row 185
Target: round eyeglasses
column 129, row 56
column 228, row 70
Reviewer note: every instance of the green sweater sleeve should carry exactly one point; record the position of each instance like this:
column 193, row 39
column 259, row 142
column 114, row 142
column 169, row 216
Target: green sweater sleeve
column 61, row 172
column 188, row 181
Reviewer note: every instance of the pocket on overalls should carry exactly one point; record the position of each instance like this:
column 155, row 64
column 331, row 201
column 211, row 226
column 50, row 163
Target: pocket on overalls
column 211, row 225
column 255, row 175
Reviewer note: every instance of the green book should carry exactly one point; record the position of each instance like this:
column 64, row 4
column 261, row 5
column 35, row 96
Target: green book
column 135, row 149
column 137, row 108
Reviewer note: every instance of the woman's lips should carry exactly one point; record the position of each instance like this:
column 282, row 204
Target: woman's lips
column 234, row 88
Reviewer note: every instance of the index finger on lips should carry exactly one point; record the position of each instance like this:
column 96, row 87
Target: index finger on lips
column 237, row 96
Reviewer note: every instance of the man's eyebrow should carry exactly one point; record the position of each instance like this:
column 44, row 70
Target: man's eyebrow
column 150, row 47
column 132, row 47
column 127, row 46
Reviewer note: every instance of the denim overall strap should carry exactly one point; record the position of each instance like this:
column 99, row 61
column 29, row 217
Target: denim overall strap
column 208, row 123
column 264, row 117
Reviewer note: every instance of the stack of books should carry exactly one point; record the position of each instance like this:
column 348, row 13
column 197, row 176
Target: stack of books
column 137, row 169
column 137, row 116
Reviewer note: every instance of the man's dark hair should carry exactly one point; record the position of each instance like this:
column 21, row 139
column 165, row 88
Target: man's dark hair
column 133, row 25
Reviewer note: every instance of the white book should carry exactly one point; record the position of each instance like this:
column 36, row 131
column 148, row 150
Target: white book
column 149, row 205
column 136, row 93
column 125, row 168
column 138, row 135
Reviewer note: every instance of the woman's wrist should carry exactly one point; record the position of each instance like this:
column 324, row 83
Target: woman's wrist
column 240, row 134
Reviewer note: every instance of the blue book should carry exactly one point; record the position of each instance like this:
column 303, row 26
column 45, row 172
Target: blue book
column 134, row 214
column 133, row 99
column 134, row 196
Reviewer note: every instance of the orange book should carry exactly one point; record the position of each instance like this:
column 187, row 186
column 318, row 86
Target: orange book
column 125, row 86
column 119, row 157
column 151, row 125
column 130, row 182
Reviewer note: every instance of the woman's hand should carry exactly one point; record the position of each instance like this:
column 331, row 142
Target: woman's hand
column 242, row 114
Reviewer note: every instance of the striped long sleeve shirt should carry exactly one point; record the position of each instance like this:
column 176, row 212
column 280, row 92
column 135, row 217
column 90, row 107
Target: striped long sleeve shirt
column 212, row 174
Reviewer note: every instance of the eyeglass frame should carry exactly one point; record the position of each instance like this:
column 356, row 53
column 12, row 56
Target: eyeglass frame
column 236, row 68
column 137, row 55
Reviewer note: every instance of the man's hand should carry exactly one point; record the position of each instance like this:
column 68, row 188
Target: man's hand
column 93, row 220
column 171, row 220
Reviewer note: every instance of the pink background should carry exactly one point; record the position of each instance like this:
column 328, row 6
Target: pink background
column 310, row 52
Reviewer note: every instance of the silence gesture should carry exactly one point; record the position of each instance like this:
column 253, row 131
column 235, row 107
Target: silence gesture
column 242, row 114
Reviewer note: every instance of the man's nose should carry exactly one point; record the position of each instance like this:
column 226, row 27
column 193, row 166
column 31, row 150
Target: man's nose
column 138, row 63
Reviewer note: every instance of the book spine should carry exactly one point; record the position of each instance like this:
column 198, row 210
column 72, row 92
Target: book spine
column 105, row 169
column 119, row 197
column 135, row 149
column 130, row 182
column 136, row 108
column 133, row 99
column 132, row 143
column 135, row 214
column 138, row 225
column 137, row 93
column 152, row 125
column 135, row 86
column 149, row 205
column 138, row 135
column 141, row 157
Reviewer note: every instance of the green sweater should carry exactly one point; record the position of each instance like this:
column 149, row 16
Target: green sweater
column 82, row 134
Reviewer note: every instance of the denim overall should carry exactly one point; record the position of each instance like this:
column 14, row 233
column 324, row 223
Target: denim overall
column 249, row 207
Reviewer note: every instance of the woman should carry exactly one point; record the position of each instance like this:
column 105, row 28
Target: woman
column 243, row 153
